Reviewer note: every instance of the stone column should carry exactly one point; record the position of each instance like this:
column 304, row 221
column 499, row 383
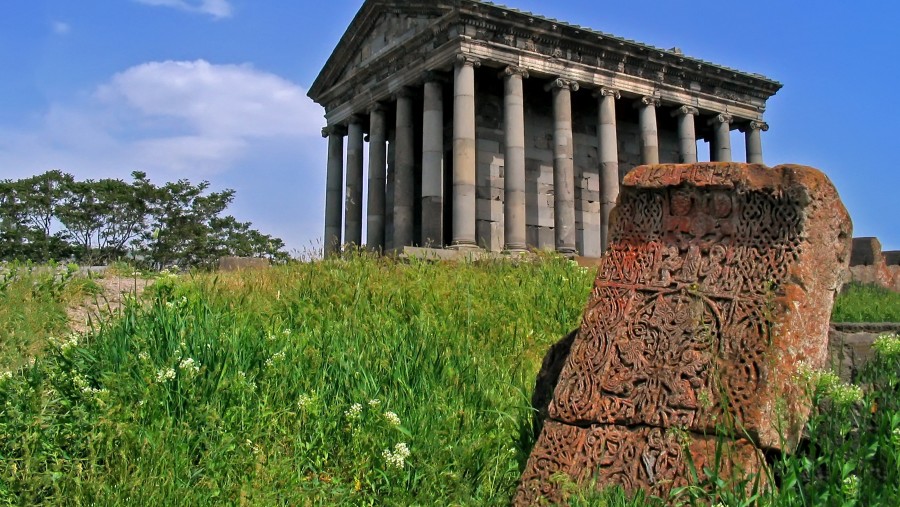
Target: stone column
column 687, row 133
column 753, row 138
column 609, row 160
column 389, row 190
column 334, row 189
column 464, row 151
column 353, row 202
column 433, row 164
column 377, row 178
column 649, row 132
column 514, row 159
column 721, row 145
column 404, row 179
column 563, row 165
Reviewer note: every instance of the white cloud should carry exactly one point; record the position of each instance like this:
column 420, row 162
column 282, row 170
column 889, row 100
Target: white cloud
column 61, row 28
column 175, row 118
column 216, row 100
column 215, row 8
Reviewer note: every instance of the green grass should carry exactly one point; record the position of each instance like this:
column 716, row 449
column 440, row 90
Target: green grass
column 307, row 384
column 33, row 308
column 866, row 303
column 283, row 357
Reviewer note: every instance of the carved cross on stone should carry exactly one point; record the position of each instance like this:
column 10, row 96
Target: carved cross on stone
column 718, row 281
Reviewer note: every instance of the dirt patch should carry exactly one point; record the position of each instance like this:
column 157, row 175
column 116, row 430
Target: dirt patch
column 108, row 302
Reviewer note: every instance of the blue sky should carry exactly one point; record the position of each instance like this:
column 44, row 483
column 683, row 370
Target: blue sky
column 216, row 90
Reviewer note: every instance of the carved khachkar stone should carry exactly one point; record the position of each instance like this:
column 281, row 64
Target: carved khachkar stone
column 718, row 281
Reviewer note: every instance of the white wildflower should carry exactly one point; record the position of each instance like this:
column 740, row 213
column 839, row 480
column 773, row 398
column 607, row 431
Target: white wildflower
column 895, row 437
column 397, row 457
column 144, row 356
column 165, row 375
column 69, row 343
column 276, row 358
column 887, row 345
column 170, row 304
column 374, row 402
column 189, row 365
column 304, row 401
column 354, row 411
column 5, row 375
column 392, row 418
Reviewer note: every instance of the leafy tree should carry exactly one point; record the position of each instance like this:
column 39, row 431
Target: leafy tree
column 53, row 216
column 105, row 216
column 29, row 208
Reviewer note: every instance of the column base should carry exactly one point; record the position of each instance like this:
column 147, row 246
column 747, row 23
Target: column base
column 515, row 249
column 567, row 252
column 464, row 245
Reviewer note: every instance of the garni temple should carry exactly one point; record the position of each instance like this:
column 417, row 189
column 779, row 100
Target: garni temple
column 496, row 129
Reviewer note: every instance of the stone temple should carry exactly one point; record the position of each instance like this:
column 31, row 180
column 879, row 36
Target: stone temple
column 498, row 129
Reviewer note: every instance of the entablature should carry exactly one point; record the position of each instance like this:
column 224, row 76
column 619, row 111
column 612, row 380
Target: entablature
column 545, row 48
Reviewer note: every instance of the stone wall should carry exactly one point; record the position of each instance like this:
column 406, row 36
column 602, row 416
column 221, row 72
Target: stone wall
column 850, row 345
column 869, row 265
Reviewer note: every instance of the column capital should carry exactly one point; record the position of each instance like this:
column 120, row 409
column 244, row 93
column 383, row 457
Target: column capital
column 403, row 93
column 357, row 119
column 647, row 100
column 337, row 130
column 514, row 70
column 686, row 110
column 464, row 59
column 721, row 118
column 563, row 84
column 377, row 107
column 756, row 125
column 607, row 92
column 433, row 76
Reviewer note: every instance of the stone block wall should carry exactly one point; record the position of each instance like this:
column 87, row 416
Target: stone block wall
column 850, row 345
column 868, row 265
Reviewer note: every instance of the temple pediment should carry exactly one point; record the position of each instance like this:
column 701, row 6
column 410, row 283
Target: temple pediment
column 378, row 27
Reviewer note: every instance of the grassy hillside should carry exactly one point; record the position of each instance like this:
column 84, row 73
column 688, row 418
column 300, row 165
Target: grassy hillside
column 346, row 382
column 300, row 385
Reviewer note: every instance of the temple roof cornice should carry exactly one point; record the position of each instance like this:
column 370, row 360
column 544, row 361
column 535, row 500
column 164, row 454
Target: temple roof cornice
column 511, row 37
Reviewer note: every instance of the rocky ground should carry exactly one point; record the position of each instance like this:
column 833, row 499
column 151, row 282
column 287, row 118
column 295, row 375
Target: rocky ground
column 109, row 301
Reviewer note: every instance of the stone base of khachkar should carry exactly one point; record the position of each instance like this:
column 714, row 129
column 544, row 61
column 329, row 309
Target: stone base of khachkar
column 718, row 282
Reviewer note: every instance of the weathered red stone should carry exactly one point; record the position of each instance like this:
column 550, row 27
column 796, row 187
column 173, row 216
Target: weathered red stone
column 653, row 459
column 718, row 281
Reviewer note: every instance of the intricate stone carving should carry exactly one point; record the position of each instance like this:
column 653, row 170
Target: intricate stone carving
column 686, row 110
column 721, row 118
column 463, row 59
column 653, row 459
column 563, row 83
column 513, row 70
column 758, row 125
column 608, row 92
column 338, row 130
column 719, row 278
column 648, row 101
